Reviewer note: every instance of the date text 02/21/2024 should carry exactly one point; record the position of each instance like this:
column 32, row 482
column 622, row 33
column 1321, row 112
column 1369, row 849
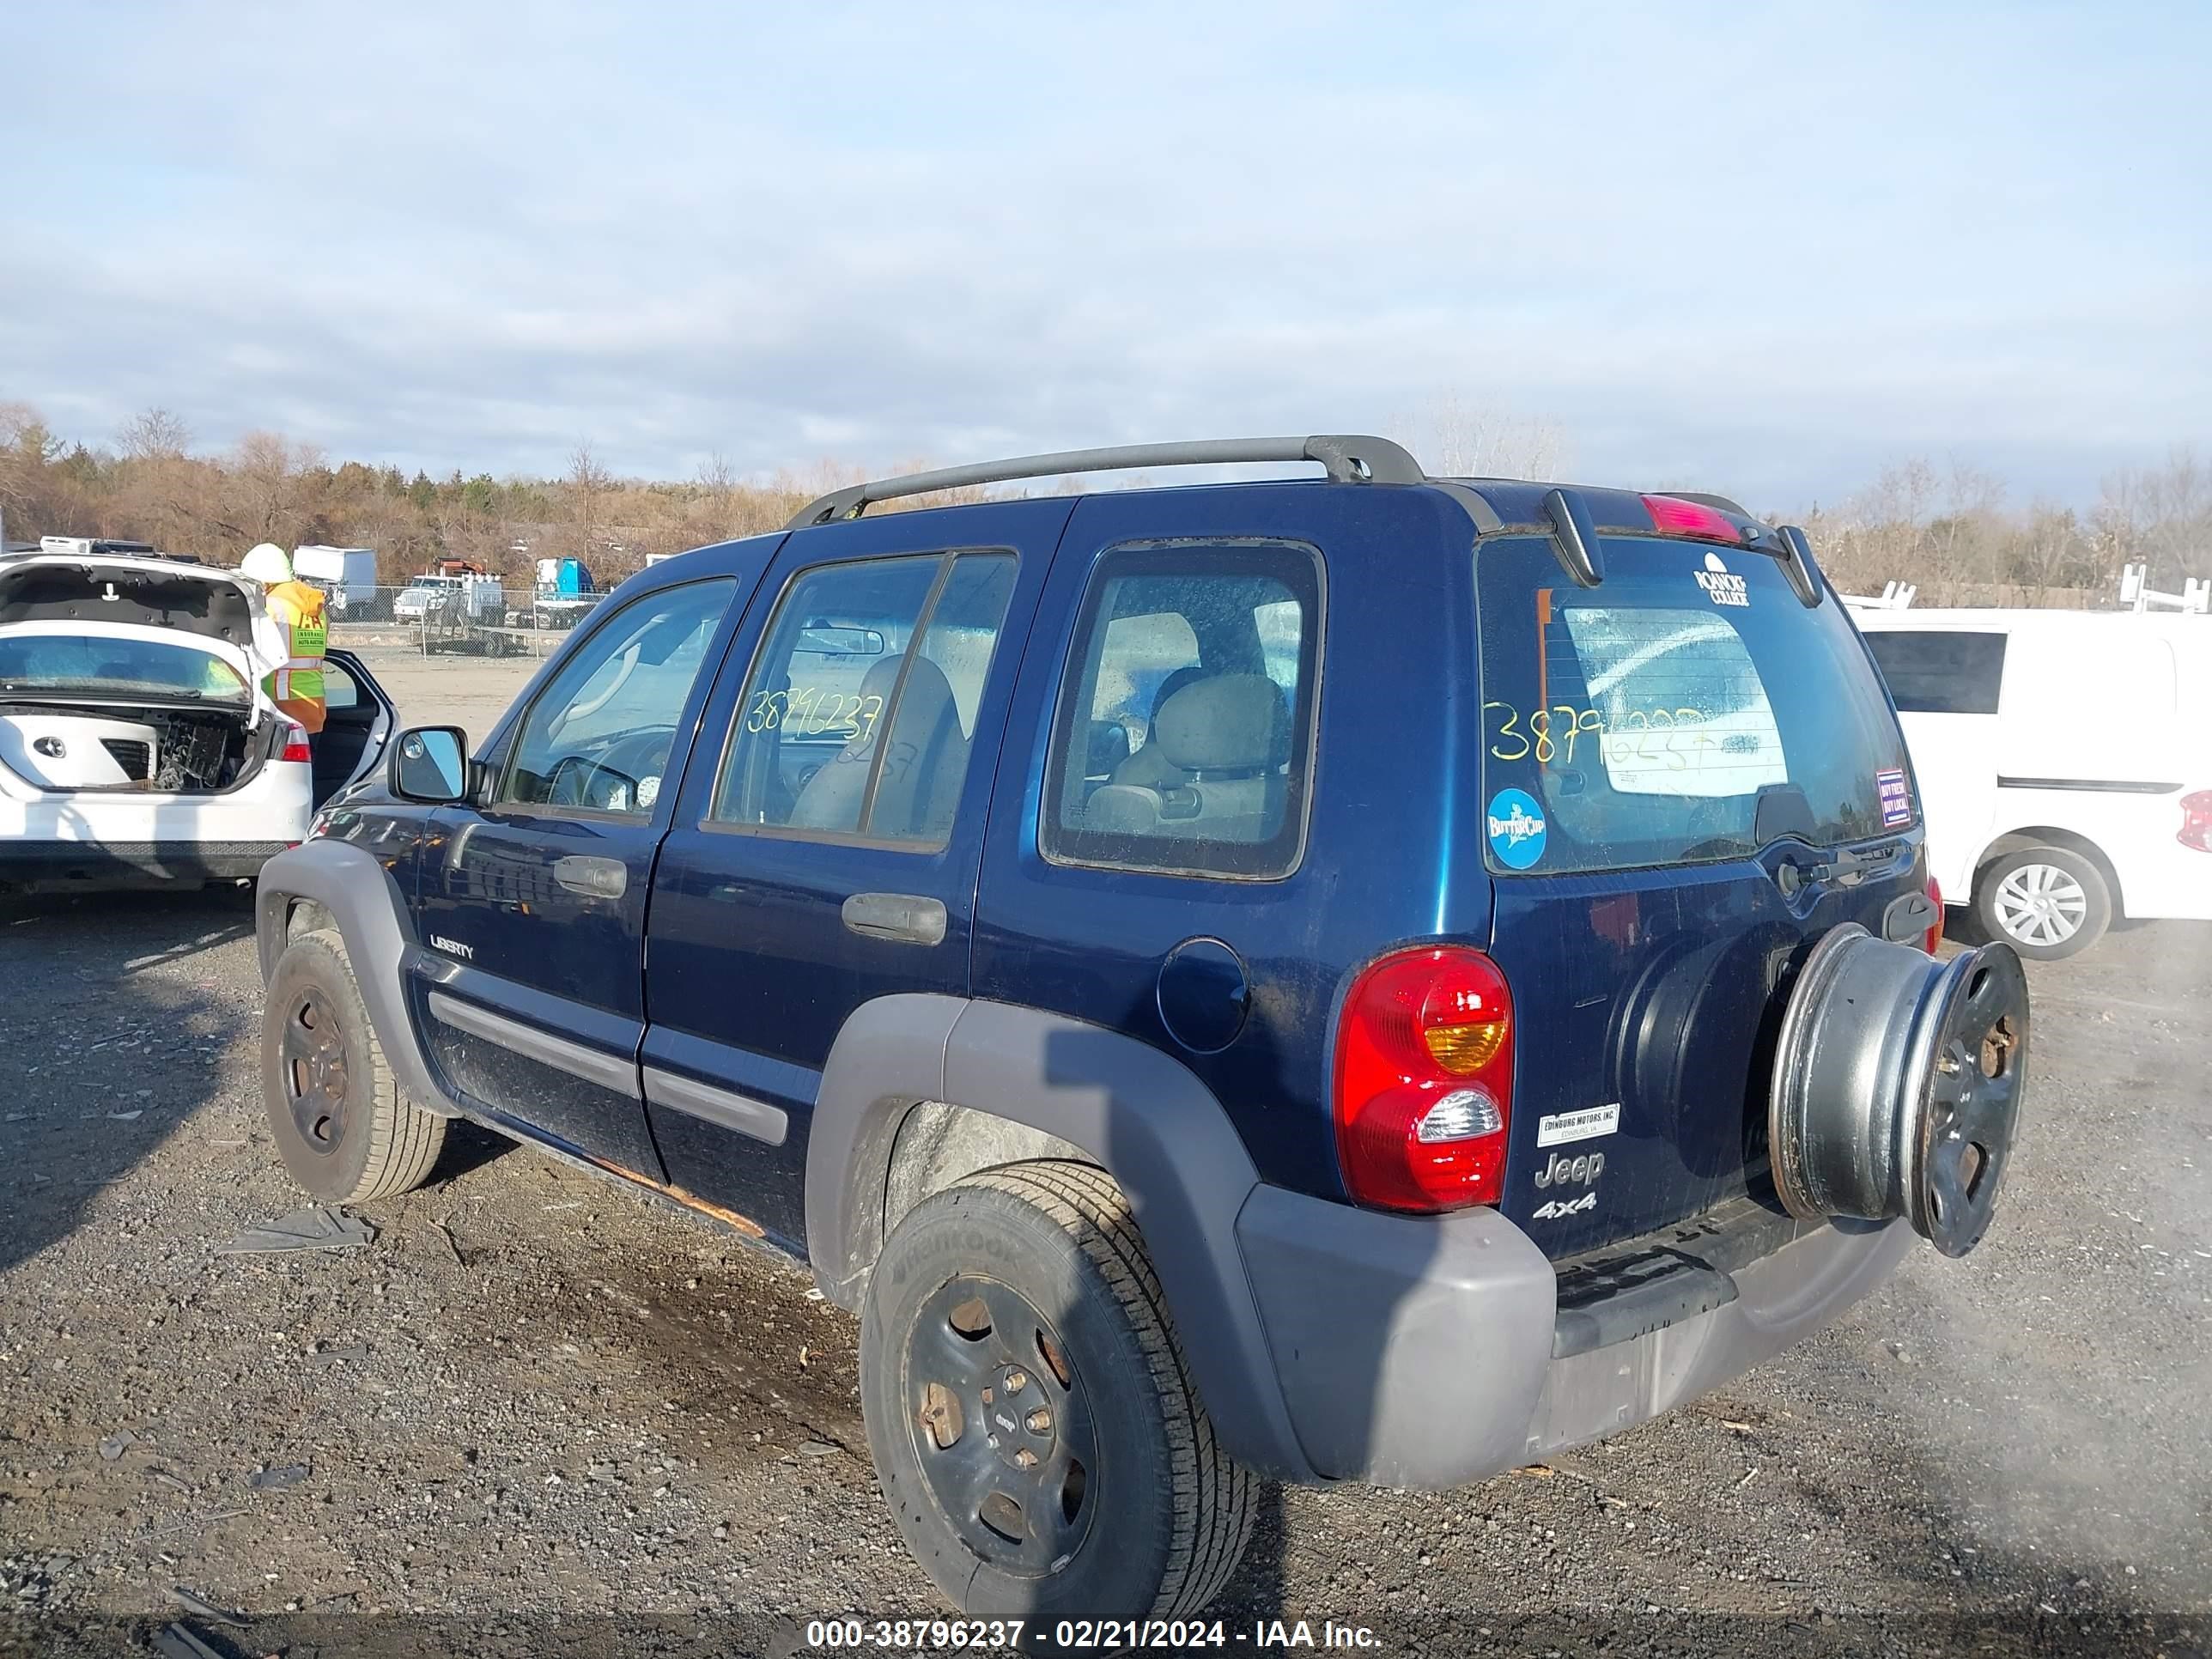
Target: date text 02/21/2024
column 1110, row 1635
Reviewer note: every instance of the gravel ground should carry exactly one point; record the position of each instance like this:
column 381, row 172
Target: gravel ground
column 542, row 1413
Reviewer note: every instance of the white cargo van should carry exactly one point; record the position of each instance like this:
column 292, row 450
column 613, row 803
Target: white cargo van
column 2064, row 764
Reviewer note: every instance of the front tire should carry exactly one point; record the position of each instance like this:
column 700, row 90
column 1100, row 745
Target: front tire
column 2046, row 902
column 1032, row 1421
column 345, row 1131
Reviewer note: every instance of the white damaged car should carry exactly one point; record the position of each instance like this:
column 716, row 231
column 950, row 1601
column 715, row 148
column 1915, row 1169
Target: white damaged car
column 137, row 747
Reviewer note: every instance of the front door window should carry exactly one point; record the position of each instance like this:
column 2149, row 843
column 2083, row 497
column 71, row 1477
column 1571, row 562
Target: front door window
column 599, row 736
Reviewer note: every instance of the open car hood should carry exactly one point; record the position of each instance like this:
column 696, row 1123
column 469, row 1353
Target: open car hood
column 165, row 593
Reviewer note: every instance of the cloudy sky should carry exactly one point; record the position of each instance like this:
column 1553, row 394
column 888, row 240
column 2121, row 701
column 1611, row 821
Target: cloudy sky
column 1764, row 250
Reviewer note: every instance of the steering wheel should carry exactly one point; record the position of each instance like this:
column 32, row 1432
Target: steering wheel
column 575, row 782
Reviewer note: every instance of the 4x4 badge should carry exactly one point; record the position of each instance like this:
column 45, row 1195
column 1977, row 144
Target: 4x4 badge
column 1560, row 1206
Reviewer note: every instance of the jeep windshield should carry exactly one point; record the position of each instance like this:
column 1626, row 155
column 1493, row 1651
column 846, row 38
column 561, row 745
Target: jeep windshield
column 1688, row 709
column 78, row 665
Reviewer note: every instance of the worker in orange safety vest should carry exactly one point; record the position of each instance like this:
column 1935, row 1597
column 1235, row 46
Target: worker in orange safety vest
column 296, row 637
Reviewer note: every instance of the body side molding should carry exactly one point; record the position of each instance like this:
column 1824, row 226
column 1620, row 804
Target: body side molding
column 725, row 1108
column 609, row 1072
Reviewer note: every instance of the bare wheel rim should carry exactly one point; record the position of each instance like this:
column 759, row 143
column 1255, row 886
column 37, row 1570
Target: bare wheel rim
column 1001, row 1425
column 313, row 1055
column 2041, row 904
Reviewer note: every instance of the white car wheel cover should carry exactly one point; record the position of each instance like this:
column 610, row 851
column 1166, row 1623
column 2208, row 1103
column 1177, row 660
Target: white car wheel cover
column 2041, row 904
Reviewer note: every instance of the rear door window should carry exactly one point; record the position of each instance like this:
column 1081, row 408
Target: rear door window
column 1186, row 714
column 1940, row 671
column 1689, row 709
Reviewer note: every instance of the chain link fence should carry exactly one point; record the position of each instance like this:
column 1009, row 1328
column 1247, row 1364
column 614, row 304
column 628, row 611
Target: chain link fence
column 475, row 616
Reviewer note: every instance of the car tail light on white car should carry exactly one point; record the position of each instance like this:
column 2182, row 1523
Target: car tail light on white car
column 295, row 743
column 2196, row 821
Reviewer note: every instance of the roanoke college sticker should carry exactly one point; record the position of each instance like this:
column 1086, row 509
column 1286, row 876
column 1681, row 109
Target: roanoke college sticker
column 1516, row 828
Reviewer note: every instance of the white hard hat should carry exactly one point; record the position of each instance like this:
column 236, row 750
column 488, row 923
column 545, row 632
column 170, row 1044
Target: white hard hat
column 268, row 564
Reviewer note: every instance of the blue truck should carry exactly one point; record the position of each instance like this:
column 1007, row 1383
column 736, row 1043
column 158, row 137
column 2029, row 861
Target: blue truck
column 1372, row 978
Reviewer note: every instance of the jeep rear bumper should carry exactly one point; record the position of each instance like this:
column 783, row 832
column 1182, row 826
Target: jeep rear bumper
column 1418, row 1352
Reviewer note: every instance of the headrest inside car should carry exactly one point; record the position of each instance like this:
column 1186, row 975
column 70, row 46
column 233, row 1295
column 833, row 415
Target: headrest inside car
column 1224, row 724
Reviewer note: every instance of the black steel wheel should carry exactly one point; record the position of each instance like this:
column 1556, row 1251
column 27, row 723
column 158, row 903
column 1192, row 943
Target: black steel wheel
column 342, row 1127
column 313, row 1071
column 1003, row 1432
column 1033, row 1423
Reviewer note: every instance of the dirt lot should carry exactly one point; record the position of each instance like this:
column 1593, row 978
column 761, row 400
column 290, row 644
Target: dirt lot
column 542, row 1414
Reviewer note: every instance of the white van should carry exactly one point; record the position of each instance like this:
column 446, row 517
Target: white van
column 2064, row 764
column 347, row 576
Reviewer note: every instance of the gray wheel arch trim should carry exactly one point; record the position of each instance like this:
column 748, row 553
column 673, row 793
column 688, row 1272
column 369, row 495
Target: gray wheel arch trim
column 365, row 902
column 1148, row 1120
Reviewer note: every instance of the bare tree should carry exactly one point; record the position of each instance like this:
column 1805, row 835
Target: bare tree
column 154, row 434
column 2159, row 516
column 716, row 476
column 1457, row 438
column 587, row 482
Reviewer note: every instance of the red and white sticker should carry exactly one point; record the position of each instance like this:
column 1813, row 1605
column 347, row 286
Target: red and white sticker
column 1895, row 795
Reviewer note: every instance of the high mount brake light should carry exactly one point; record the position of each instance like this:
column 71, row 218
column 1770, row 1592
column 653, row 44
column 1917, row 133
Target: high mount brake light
column 1424, row 1091
column 1672, row 516
column 2196, row 821
column 1934, row 928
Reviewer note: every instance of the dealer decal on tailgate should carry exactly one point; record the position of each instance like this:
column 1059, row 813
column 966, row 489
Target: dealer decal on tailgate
column 1560, row 1128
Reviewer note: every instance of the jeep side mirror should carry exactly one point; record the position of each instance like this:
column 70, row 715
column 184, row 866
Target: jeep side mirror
column 430, row 764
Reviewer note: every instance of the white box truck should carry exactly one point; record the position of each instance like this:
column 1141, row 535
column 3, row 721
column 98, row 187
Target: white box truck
column 347, row 576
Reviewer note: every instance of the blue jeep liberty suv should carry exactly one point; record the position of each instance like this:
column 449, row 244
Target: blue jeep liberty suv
column 1362, row 979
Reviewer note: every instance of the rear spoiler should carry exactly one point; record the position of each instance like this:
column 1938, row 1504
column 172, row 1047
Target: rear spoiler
column 1694, row 518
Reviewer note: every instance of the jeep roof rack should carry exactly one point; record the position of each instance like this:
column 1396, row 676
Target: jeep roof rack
column 1350, row 459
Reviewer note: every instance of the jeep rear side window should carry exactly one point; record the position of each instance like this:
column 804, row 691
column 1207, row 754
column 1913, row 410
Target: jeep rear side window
column 597, row 738
column 1686, row 710
column 1186, row 711
column 860, row 713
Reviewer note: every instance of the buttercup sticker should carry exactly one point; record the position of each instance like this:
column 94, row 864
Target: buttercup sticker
column 1896, row 798
column 1516, row 828
column 1721, row 588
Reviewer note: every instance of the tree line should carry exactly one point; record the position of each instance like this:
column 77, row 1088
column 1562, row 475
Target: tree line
column 1947, row 528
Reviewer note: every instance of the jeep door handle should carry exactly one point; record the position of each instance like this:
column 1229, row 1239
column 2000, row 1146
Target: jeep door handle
column 593, row 877
column 901, row 916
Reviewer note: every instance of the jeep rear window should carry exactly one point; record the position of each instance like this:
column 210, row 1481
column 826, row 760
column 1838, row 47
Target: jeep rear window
column 1687, row 709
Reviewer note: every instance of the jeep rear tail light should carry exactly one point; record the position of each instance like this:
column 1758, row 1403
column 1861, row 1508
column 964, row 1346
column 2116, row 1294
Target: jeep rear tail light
column 1424, row 1080
column 1672, row 516
column 2196, row 821
column 1935, row 927
column 295, row 743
